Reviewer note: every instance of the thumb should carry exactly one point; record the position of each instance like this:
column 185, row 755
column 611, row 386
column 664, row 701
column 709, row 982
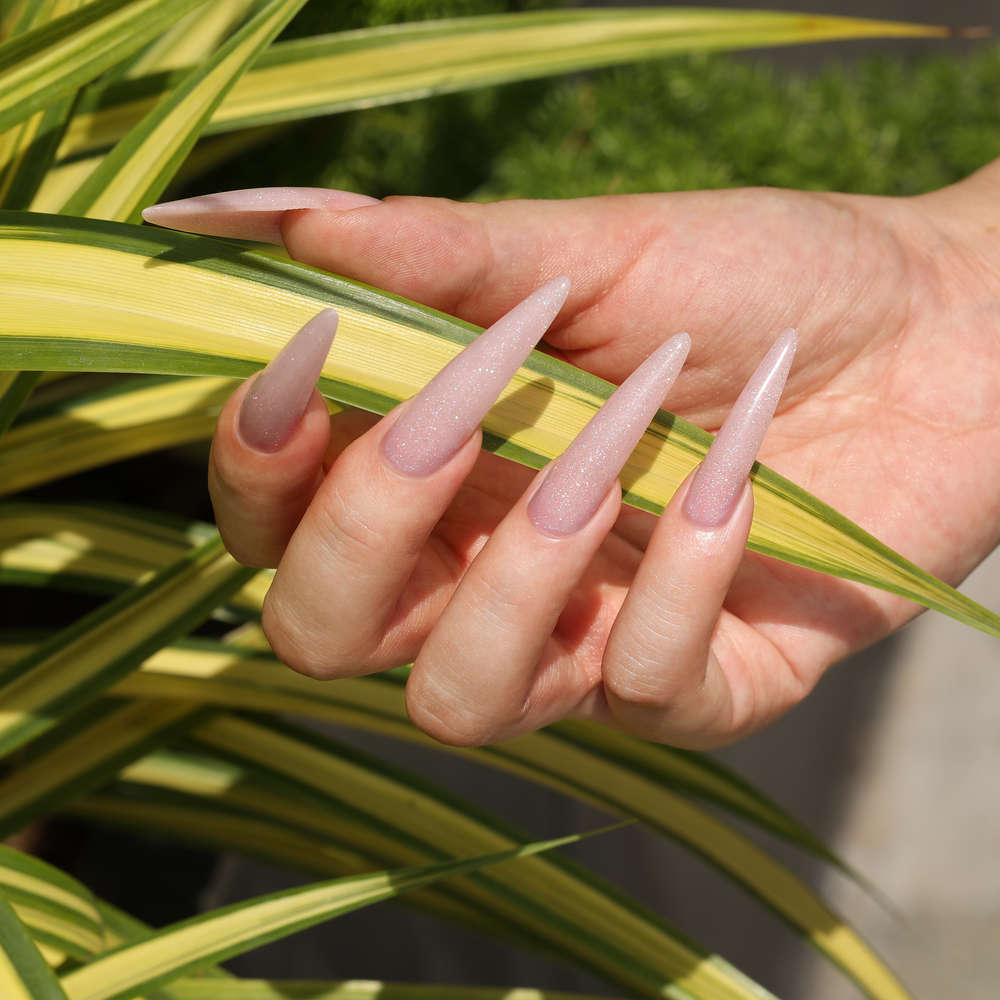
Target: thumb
column 636, row 260
column 472, row 260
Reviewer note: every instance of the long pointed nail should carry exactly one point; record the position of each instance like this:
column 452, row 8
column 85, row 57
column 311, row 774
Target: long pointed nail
column 281, row 392
column 580, row 478
column 718, row 484
column 249, row 213
column 446, row 412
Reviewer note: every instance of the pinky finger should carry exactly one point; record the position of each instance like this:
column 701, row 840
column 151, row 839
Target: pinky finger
column 662, row 678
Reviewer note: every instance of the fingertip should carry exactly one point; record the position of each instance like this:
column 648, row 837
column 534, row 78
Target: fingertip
column 277, row 398
column 259, row 497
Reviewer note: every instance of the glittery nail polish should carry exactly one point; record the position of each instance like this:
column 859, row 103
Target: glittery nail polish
column 279, row 395
column 579, row 480
column 249, row 213
column 446, row 412
column 717, row 485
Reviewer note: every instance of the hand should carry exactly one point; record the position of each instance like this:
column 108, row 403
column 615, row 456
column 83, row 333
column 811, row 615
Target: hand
column 890, row 414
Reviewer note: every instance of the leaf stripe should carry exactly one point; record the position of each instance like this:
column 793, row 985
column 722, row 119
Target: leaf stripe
column 41, row 65
column 24, row 974
column 355, row 69
column 239, row 307
column 233, row 930
column 78, row 664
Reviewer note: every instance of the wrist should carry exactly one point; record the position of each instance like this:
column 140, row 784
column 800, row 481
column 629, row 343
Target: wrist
column 963, row 223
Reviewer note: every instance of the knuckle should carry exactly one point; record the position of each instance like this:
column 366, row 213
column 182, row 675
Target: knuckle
column 630, row 680
column 246, row 552
column 302, row 648
column 447, row 724
column 345, row 533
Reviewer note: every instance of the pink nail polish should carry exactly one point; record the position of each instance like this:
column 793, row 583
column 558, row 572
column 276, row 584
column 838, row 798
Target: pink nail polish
column 281, row 392
column 445, row 413
column 718, row 484
column 580, row 478
column 250, row 213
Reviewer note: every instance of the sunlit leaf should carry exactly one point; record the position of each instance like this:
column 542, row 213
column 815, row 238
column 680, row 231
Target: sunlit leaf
column 40, row 66
column 78, row 664
column 137, row 170
column 359, row 69
column 24, row 973
column 150, row 301
column 232, row 930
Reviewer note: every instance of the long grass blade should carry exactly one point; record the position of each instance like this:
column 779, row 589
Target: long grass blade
column 15, row 388
column 101, row 550
column 286, row 989
column 108, row 424
column 558, row 906
column 28, row 149
column 92, row 751
column 24, row 973
column 40, row 66
column 59, row 913
column 359, row 69
column 605, row 783
column 137, row 170
column 208, row 672
column 233, row 930
column 77, row 665
column 164, row 302
column 193, row 38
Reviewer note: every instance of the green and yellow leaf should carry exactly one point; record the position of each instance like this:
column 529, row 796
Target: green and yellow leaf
column 75, row 667
column 28, row 149
column 59, row 913
column 261, row 989
column 24, row 973
column 232, row 930
column 108, row 424
column 360, row 69
column 40, row 66
column 76, row 546
column 545, row 901
column 141, row 165
column 130, row 299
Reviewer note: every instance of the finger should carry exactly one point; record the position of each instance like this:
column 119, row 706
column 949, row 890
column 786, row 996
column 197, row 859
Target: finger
column 337, row 605
column 670, row 674
column 266, row 458
column 472, row 260
column 492, row 667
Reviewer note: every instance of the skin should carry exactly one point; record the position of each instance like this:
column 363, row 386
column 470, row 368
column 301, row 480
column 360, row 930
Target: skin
column 891, row 414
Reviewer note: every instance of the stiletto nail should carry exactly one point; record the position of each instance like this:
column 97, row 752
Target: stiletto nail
column 580, row 478
column 718, row 484
column 281, row 392
column 443, row 415
column 249, row 213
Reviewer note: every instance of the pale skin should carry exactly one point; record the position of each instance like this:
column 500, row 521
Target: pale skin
column 891, row 414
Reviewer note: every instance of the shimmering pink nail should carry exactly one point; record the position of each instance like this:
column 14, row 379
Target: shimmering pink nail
column 281, row 392
column 718, row 484
column 580, row 478
column 445, row 413
column 250, row 213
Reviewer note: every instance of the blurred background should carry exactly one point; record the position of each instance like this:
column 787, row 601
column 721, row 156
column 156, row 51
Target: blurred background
column 893, row 761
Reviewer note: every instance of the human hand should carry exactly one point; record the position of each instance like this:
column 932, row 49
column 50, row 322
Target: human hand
column 876, row 286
